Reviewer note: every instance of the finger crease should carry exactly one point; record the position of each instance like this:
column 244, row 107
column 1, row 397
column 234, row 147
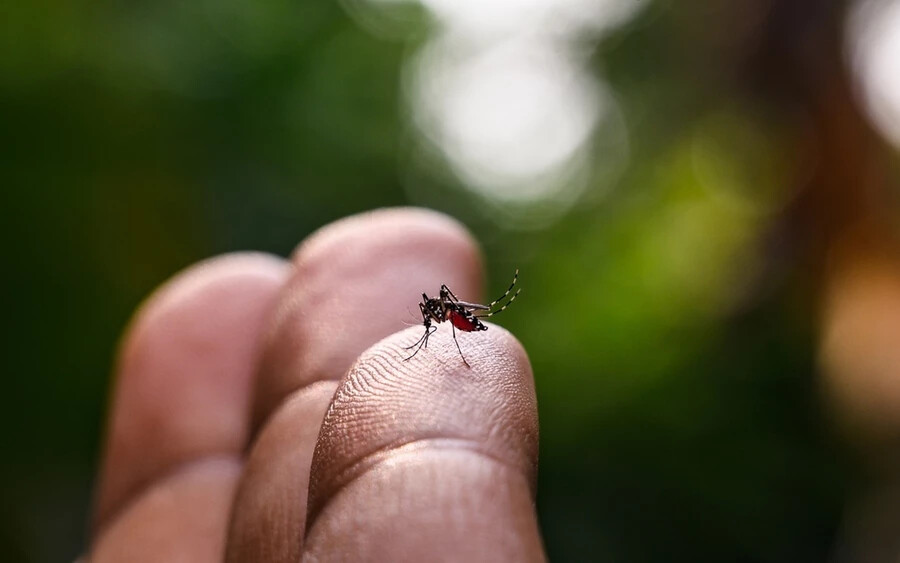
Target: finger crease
column 344, row 477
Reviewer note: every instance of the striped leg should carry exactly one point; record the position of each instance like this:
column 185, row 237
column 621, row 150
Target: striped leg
column 422, row 342
column 499, row 299
column 445, row 289
column 429, row 330
column 492, row 313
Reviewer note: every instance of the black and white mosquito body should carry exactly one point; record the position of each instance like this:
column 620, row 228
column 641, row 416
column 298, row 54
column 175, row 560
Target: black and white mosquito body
column 462, row 315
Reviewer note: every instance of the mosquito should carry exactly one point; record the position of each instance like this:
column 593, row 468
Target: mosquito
column 461, row 314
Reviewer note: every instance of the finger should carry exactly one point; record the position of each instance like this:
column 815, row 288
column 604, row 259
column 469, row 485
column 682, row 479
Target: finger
column 180, row 518
column 270, row 502
column 428, row 459
column 182, row 389
column 355, row 282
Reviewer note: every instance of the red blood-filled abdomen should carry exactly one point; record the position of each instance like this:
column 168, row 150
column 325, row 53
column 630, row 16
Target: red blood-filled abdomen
column 462, row 323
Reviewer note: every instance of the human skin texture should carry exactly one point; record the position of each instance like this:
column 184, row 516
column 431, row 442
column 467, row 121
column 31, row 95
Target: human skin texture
column 263, row 411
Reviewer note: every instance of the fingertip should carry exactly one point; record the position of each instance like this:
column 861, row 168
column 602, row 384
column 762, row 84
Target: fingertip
column 406, row 224
column 429, row 458
column 433, row 400
column 196, row 278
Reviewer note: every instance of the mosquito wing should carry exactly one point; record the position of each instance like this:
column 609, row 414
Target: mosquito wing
column 474, row 306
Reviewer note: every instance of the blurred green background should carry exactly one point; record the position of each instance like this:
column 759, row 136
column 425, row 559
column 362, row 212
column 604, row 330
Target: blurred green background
column 644, row 168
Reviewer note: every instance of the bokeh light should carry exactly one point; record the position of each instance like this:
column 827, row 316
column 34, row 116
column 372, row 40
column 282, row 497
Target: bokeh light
column 514, row 119
column 504, row 92
column 487, row 20
column 873, row 51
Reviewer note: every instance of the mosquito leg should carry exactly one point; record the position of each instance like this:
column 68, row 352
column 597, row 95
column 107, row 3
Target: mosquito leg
column 421, row 343
column 411, row 356
column 421, row 338
column 458, row 348
column 495, row 301
column 450, row 293
column 424, row 339
column 427, row 334
column 492, row 313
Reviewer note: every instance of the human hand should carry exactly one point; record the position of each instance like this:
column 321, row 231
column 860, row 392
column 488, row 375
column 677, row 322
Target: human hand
column 237, row 432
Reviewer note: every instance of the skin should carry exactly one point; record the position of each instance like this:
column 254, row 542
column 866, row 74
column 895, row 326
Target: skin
column 262, row 411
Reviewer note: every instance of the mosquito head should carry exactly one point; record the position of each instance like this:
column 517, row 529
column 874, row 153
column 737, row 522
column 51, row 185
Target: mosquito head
column 434, row 307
